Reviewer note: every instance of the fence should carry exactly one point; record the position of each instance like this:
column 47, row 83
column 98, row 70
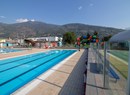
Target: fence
column 103, row 63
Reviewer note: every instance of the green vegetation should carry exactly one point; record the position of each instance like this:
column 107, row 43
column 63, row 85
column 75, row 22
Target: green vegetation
column 69, row 38
column 121, row 54
column 120, row 66
column 106, row 38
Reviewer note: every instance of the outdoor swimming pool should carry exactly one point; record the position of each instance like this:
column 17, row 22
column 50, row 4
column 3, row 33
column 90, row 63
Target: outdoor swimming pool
column 7, row 50
column 16, row 72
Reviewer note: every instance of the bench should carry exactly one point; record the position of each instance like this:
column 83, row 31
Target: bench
column 113, row 74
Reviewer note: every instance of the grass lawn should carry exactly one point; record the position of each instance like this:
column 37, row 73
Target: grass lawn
column 117, row 64
column 121, row 54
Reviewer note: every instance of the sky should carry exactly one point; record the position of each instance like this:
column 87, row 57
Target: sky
column 109, row 13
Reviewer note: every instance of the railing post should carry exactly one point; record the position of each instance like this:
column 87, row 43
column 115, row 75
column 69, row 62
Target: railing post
column 105, row 73
column 98, row 67
column 108, row 56
column 96, row 53
column 128, row 79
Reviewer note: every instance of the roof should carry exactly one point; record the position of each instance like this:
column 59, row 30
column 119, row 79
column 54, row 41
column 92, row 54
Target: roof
column 121, row 37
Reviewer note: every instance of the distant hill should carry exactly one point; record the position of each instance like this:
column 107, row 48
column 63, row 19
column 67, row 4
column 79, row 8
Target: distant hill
column 36, row 29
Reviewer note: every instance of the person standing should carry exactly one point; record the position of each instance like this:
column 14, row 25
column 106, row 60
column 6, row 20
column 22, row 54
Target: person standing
column 78, row 43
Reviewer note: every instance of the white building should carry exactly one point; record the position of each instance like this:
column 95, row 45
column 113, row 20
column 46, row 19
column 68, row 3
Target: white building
column 1, row 42
column 47, row 39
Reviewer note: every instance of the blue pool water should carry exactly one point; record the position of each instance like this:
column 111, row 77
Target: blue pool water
column 16, row 72
column 7, row 50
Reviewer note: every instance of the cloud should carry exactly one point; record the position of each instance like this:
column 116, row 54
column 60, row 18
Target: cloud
column 2, row 17
column 32, row 20
column 20, row 20
column 80, row 8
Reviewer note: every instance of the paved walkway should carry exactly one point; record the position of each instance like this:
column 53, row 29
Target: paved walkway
column 24, row 52
column 75, row 82
column 94, row 84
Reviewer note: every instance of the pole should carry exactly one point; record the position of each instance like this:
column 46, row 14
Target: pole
column 128, row 79
column 105, row 75
column 95, row 53
column 108, row 56
column 98, row 64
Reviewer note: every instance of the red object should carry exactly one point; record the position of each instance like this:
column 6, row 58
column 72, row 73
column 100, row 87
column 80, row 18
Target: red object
column 97, row 40
column 90, row 38
column 46, row 46
column 102, row 44
column 53, row 44
column 78, row 41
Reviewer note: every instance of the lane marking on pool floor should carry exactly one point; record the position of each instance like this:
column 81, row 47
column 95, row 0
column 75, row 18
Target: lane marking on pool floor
column 32, row 84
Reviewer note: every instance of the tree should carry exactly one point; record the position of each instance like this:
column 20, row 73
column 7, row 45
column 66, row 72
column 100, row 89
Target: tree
column 32, row 43
column 69, row 38
column 106, row 38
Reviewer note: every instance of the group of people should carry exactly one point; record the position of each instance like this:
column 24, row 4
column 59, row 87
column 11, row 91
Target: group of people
column 86, row 40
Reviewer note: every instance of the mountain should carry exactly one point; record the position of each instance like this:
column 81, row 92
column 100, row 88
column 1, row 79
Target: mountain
column 36, row 29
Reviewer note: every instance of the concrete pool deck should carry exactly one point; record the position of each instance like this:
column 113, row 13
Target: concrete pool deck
column 20, row 53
